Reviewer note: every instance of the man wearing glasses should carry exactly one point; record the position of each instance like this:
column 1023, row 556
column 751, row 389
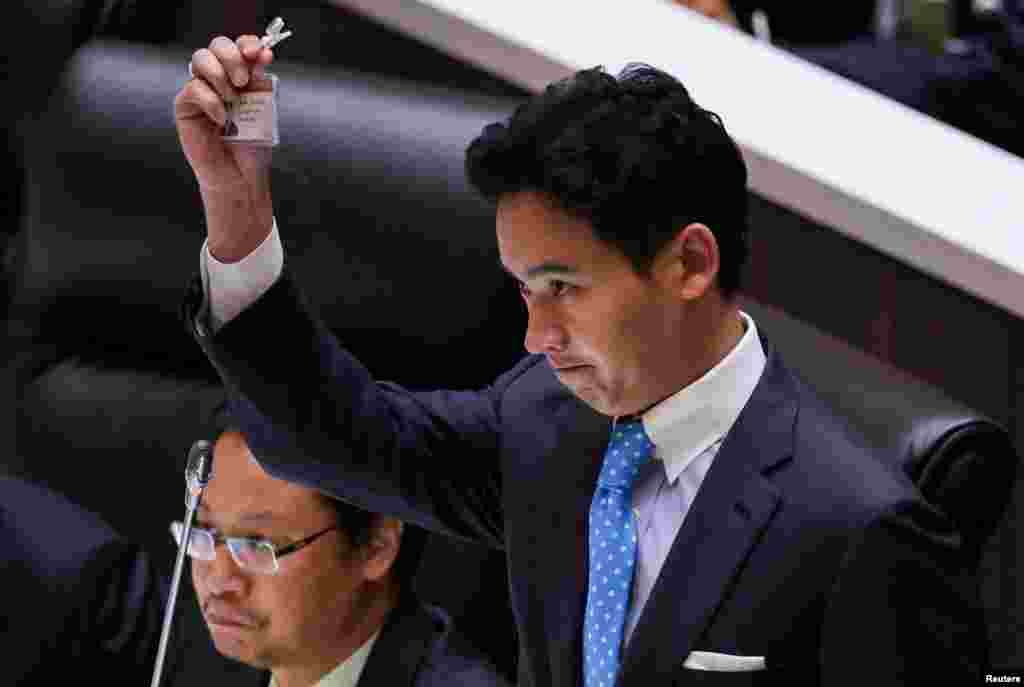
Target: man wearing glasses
column 313, row 590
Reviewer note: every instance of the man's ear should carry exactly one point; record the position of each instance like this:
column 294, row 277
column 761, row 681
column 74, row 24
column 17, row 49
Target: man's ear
column 688, row 264
column 382, row 548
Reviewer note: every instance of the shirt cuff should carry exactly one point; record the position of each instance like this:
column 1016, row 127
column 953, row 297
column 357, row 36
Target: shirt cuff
column 230, row 288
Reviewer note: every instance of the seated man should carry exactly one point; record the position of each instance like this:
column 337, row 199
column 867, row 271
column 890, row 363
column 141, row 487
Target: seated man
column 73, row 594
column 313, row 590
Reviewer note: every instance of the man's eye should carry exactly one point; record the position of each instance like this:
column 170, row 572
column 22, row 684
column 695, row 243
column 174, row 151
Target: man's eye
column 559, row 288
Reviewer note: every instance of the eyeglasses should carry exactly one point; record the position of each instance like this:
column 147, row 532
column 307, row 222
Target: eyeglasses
column 252, row 555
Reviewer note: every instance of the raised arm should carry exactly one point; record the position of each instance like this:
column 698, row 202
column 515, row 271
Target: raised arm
column 311, row 412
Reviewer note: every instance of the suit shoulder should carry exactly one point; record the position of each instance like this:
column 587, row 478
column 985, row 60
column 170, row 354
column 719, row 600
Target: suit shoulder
column 860, row 479
column 520, row 370
column 454, row 660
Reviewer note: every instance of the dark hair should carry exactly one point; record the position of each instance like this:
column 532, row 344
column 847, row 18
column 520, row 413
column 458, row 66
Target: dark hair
column 632, row 155
column 357, row 523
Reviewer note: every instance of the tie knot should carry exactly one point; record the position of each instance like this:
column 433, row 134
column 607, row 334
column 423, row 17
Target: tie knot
column 628, row 450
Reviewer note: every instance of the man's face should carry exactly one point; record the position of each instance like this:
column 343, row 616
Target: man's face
column 300, row 614
column 612, row 336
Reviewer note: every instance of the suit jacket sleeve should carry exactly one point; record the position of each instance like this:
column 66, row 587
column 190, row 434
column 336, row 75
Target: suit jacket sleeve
column 313, row 415
column 904, row 607
column 117, row 620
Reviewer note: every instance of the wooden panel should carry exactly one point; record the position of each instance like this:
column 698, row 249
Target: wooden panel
column 937, row 333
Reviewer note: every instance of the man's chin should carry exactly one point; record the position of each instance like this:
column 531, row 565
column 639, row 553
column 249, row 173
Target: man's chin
column 592, row 397
column 237, row 647
column 247, row 657
column 596, row 398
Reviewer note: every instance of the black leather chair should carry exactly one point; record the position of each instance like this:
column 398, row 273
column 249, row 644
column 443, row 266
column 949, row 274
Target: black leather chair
column 399, row 256
column 963, row 462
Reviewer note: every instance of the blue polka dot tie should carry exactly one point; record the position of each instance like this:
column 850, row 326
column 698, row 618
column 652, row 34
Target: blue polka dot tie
column 612, row 553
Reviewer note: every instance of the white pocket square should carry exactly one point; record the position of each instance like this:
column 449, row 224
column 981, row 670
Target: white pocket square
column 725, row 663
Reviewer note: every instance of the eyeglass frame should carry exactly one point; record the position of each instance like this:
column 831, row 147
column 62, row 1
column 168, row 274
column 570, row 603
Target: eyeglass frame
column 219, row 538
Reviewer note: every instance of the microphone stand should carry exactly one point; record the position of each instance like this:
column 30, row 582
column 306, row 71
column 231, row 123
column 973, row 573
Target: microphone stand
column 198, row 469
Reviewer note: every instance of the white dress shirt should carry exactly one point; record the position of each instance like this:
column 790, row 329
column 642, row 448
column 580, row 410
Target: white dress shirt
column 686, row 428
column 347, row 673
column 232, row 287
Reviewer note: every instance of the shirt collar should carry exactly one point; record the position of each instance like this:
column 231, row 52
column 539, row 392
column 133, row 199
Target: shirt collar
column 687, row 423
column 346, row 673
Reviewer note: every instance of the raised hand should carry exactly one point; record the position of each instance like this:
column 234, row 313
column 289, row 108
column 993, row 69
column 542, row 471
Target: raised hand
column 233, row 178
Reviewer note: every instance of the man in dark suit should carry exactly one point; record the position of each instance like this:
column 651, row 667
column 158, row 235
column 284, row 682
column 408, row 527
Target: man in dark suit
column 673, row 503
column 312, row 591
column 73, row 595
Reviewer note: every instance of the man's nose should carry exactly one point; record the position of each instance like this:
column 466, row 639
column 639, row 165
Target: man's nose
column 544, row 332
column 221, row 575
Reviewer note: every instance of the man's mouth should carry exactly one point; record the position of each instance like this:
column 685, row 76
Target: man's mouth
column 227, row 617
column 223, row 621
column 561, row 365
column 567, row 372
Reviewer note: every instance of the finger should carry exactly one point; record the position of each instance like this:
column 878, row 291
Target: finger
column 206, row 67
column 253, row 50
column 250, row 46
column 231, row 59
column 199, row 96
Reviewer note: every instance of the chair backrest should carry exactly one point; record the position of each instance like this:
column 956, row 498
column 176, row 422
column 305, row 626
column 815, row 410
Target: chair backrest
column 963, row 462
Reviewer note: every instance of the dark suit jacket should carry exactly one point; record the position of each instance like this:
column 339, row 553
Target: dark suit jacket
column 800, row 546
column 74, row 598
column 417, row 647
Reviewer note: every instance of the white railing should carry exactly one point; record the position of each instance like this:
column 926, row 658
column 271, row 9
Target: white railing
column 927, row 194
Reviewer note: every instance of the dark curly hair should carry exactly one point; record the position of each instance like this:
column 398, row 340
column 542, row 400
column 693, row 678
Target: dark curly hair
column 632, row 155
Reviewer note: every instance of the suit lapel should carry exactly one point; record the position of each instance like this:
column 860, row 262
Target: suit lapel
column 582, row 436
column 401, row 648
column 732, row 507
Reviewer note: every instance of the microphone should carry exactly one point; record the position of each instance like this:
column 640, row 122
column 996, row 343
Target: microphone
column 198, row 470
column 199, row 467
